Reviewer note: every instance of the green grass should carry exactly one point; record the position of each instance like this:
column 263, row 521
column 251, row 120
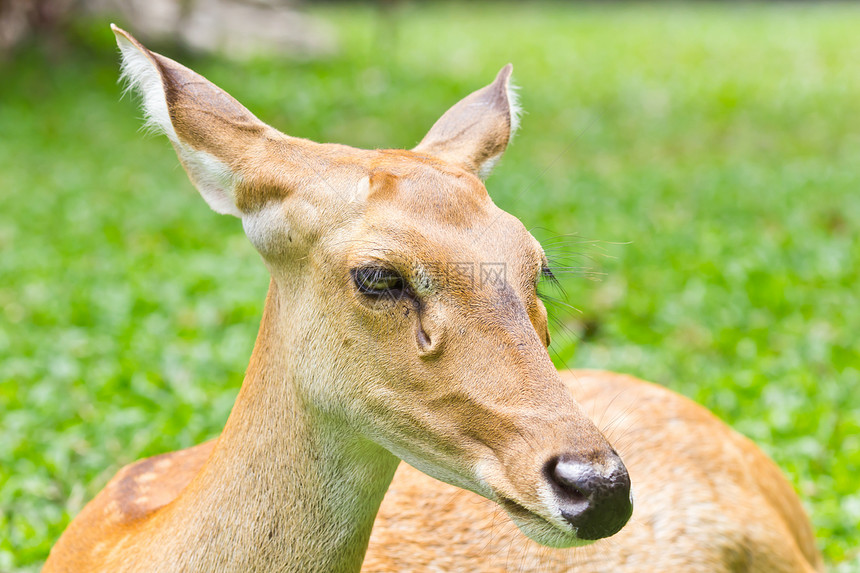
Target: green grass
column 706, row 157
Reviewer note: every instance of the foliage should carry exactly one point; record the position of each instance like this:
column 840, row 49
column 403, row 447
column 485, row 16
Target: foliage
column 704, row 158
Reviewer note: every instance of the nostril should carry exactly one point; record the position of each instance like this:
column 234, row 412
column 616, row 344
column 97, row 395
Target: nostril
column 594, row 498
column 571, row 478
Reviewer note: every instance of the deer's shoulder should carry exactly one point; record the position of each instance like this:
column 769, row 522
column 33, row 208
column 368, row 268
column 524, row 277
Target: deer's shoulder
column 146, row 485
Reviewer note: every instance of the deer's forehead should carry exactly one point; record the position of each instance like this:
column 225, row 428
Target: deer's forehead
column 403, row 240
column 424, row 188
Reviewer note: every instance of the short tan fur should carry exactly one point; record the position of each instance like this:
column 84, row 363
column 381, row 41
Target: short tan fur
column 373, row 348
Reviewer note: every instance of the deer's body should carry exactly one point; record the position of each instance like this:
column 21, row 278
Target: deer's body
column 376, row 345
column 695, row 524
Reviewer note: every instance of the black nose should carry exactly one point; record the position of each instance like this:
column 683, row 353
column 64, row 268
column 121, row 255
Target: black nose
column 594, row 497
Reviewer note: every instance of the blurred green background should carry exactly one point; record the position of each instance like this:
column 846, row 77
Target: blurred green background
column 701, row 161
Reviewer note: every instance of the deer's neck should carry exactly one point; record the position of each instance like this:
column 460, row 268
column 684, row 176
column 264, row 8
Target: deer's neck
column 286, row 489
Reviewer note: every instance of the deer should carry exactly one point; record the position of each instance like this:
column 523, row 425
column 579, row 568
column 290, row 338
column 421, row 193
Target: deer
column 378, row 344
column 367, row 354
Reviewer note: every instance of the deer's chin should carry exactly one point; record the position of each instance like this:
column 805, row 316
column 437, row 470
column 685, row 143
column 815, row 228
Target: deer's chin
column 539, row 529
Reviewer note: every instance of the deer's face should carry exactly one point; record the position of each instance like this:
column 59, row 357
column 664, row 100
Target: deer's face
column 409, row 298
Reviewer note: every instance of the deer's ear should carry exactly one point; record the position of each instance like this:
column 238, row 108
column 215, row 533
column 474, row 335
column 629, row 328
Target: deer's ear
column 475, row 132
column 210, row 130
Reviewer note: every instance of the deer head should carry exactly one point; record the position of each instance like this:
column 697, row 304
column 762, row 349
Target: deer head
column 405, row 301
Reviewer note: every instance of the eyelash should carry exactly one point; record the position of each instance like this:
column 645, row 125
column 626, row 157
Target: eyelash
column 546, row 275
column 546, row 272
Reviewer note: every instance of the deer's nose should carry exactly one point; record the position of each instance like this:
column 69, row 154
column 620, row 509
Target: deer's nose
column 594, row 498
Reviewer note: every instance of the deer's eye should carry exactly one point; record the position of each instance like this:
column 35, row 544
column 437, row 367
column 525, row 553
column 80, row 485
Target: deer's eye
column 378, row 281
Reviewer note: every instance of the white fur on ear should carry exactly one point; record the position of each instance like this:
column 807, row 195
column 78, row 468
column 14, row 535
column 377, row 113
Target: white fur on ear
column 140, row 74
column 515, row 110
column 212, row 177
column 487, row 166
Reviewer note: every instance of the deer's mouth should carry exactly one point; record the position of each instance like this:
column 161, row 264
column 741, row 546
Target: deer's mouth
column 538, row 528
column 516, row 510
